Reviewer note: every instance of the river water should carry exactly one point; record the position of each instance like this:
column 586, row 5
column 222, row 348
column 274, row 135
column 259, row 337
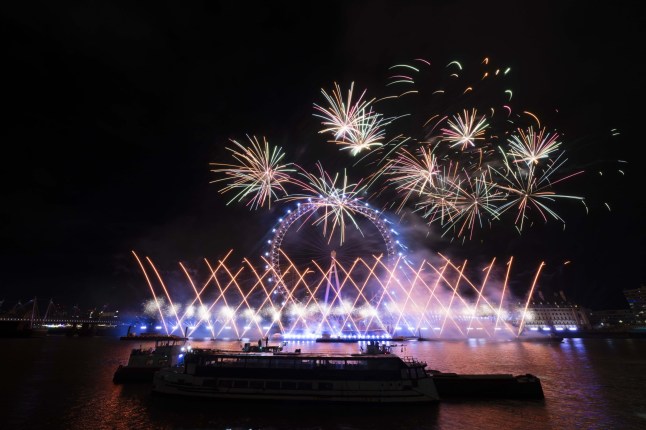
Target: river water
column 66, row 383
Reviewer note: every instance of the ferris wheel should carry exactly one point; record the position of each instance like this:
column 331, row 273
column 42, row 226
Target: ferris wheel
column 298, row 242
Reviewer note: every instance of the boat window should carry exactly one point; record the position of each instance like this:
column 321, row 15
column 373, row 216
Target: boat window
column 336, row 364
column 283, row 364
column 225, row 383
column 228, row 361
column 356, row 364
column 326, row 386
column 258, row 363
column 384, row 364
column 305, row 364
column 240, row 384
column 256, row 384
column 288, row 385
column 272, row 385
column 304, row 385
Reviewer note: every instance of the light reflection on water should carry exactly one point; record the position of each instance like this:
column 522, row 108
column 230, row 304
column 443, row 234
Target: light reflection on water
column 66, row 383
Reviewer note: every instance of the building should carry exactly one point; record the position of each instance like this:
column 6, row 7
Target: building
column 557, row 316
column 637, row 301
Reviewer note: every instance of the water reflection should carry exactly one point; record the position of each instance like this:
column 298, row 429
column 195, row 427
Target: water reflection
column 61, row 383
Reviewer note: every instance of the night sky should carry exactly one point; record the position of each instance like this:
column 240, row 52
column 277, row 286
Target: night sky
column 113, row 112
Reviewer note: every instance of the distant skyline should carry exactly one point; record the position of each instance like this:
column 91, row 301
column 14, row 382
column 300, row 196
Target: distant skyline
column 116, row 111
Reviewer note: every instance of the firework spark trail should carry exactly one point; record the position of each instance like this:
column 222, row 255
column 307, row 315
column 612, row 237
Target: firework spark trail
column 453, row 294
column 222, row 293
column 475, row 197
column 251, row 312
column 412, row 175
column 338, row 202
column 324, row 310
column 529, row 297
column 351, row 306
column 504, row 288
column 464, row 131
column 355, row 125
column 468, row 281
column 440, row 204
column 420, row 167
column 530, row 147
column 528, row 188
column 408, row 292
column 197, row 294
column 152, row 290
column 385, row 293
column 484, row 283
column 342, row 117
column 337, row 293
column 432, row 294
column 268, row 293
column 221, row 263
column 259, row 174
column 386, row 289
column 367, row 134
column 360, row 291
column 161, row 282
column 290, row 292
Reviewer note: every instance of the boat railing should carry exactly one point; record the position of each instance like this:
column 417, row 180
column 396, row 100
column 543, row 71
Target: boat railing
column 413, row 362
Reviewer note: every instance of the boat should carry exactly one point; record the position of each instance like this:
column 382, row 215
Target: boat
column 336, row 340
column 143, row 363
column 152, row 337
column 453, row 385
column 374, row 376
column 540, row 339
column 405, row 338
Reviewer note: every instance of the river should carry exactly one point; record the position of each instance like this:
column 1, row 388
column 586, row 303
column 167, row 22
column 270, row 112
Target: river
column 59, row 382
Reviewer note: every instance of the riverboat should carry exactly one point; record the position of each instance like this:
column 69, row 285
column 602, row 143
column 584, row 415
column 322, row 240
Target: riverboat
column 487, row 386
column 144, row 362
column 375, row 376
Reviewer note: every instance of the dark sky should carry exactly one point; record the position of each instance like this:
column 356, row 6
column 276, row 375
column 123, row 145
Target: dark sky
column 113, row 111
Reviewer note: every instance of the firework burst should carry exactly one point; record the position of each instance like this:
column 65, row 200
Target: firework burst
column 464, row 131
column 337, row 199
column 354, row 124
column 530, row 188
column 259, row 174
column 530, row 147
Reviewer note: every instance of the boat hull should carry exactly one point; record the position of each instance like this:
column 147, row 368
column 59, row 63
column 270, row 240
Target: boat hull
column 127, row 374
column 452, row 385
column 169, row 382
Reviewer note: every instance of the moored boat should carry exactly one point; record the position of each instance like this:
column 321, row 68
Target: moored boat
column 153, row 337
column 143, row 363
column 483, row 386
column 372, row 377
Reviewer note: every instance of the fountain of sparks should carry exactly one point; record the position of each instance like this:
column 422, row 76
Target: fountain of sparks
column 432, row 299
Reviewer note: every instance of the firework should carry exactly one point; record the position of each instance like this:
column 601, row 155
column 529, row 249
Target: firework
column 334, row 196
column 412, row 175
column 476, row 198
column 464, row 130
column 354, row 124
column 407, row 300
column 530, row 147
column 460, row 170
column 342, row 117
column 259, row 174
column 529, row 188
